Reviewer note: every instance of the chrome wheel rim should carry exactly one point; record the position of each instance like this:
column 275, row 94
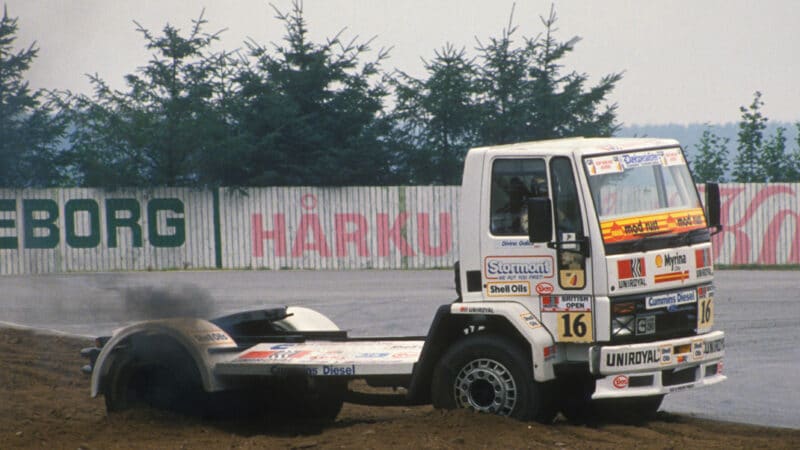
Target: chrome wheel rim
column 487, row 386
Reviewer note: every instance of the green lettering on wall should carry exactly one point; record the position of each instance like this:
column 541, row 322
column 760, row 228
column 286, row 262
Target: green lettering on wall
column 46, row 223
column 8, row 241
column 82, row 205
column 130, row 221
column 177, row 224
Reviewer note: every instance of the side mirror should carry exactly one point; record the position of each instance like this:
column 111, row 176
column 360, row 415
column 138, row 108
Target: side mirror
column 713, row 207
column 540, row 219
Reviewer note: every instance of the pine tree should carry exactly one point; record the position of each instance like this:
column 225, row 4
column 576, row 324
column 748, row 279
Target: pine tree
column 774, row 162
column 29, row 130
column 711, row 163
column 747, row 167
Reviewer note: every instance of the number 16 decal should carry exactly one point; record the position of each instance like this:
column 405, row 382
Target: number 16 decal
column 575, row 327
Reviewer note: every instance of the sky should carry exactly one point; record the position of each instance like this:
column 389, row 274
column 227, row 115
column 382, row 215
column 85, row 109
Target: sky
column 682, row 61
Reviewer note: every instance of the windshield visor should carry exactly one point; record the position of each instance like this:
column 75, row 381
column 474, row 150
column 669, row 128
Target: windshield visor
column 639, row 194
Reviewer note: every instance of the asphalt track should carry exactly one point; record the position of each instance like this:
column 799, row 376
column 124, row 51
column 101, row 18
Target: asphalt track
column 758, row 310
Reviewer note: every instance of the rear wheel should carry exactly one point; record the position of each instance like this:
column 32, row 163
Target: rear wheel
column 491, row 374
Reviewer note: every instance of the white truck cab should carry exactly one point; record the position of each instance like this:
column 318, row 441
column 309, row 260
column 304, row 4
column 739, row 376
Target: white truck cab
column 585, row 276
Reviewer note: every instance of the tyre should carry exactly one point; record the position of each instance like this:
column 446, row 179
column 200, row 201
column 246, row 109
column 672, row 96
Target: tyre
column 491, row 374
column 162, row 377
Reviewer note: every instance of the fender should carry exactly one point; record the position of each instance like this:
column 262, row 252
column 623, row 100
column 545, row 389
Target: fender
column 543, row 349
column 196, row 336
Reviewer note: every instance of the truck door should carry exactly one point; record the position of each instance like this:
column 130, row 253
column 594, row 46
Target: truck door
column 553, row 280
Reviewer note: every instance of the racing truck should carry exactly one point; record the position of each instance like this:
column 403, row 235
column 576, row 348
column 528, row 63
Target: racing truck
column 584, row 277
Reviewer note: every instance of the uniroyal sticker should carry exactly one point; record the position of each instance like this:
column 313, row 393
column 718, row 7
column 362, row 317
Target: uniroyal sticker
column 517, row 268
column 603, row 165
column 508, row 288
column 631, row 273
column 620, row 230
column 566, row 303
column 703, row 264
column 671, row 299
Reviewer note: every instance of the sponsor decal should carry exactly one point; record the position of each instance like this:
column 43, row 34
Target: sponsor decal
column 274, row 354
column 672, row 261
column 620, row 230
column 508, row 288
column 603, row 165
column 620, row 382
column 666, row 354
column 511, row 268
column 549, row 352
column 643, row 159
column 671, row 276
column 544, row 288
column 671, row 299
column 530, row 320
column 571, row 279
column 697, row 349
column 510, row 243
column 715, row 346
column 338, row 371
column 476, row 309
column 703, row 264
column 566, row 303
column 645, row 325
column 673, row 157
column 212, row 338
column 635, row 358
column 631, row 273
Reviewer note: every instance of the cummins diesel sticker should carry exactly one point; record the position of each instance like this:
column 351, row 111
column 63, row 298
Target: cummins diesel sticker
column 671, row 299
column 518, row 268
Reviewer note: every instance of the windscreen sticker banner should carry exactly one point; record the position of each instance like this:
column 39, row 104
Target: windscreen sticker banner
column 603, row 165
column 518, row 268
column 620, row 230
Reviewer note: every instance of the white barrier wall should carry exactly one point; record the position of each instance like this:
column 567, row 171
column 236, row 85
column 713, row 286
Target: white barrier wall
column 67, row 230
column 339, row 228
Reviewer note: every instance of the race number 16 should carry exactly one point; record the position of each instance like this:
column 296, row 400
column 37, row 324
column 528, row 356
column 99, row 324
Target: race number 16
column 705, row 313
column 575, row 327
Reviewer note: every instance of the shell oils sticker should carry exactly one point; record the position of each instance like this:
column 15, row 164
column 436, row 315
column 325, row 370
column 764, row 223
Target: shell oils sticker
column 674, row 263
column 620, row 230
column 566, row 303
column 508, row 288
column 530, row 320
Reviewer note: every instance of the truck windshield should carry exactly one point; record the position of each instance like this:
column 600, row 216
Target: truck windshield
column 641, row 194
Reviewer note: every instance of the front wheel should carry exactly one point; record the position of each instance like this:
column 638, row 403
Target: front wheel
column 491, row 374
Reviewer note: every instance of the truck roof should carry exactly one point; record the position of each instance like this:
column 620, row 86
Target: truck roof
column 584, row 146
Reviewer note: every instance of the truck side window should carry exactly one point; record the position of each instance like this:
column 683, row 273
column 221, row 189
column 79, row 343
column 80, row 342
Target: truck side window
column 513, row 182
column 569, row 224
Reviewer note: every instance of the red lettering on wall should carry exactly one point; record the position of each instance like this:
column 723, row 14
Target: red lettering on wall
column 277, row 234
column 424, row 238
column 358, row 236
column 393, row 233
column 310, row 222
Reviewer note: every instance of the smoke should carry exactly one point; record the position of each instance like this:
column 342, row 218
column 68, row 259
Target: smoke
column 148, row 302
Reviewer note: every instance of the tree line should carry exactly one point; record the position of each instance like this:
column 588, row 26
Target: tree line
column 300, row 112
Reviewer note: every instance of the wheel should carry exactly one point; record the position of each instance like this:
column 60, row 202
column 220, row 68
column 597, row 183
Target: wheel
column 491, row 374
column 162, row 377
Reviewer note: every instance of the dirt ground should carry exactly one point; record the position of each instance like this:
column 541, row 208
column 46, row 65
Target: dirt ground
column 45, row 404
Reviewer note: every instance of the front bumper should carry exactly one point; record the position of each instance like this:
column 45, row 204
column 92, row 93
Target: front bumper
column 657, row 368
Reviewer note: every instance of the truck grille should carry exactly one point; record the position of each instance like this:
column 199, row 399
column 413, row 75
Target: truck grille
column 632, row 322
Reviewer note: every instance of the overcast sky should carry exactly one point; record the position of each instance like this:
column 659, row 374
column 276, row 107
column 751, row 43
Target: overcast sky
column 683, row 61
